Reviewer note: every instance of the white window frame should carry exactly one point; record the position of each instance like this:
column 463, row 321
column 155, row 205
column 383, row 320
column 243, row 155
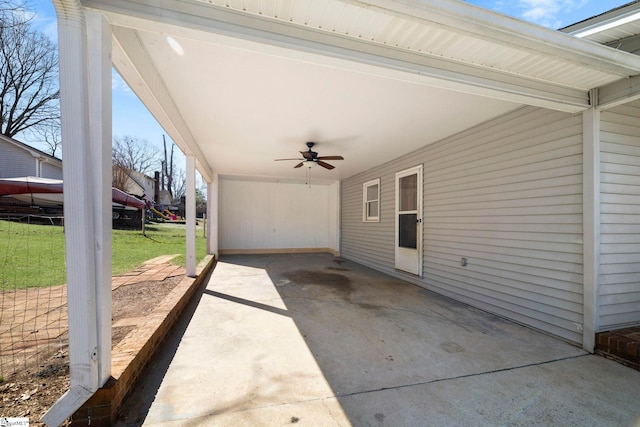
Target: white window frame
column 365, row 202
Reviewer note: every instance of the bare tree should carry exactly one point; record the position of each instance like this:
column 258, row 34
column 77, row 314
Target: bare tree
column 167, row 167
column 175, row 177
column 134, row 154
column 11, row 11
column 49, row 134
column 131, row 154
column 28, row 74
column 179, row 184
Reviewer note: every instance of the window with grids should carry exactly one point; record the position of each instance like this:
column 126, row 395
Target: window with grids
column 371, row 201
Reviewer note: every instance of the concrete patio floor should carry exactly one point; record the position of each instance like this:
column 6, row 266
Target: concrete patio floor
column 314, row 340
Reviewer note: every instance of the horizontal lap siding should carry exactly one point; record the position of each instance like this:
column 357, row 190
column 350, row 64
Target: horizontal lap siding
column 272, row 215
column 376, row 237
column 51, row 171
column 619, row 291
column 15, row 162
column 506, row 195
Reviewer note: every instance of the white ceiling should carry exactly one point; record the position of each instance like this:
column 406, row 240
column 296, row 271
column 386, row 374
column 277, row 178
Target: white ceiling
column 244, row 82
column 246, row 108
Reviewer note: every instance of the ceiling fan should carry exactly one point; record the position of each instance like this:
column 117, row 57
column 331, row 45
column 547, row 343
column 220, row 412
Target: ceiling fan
column 310, row 158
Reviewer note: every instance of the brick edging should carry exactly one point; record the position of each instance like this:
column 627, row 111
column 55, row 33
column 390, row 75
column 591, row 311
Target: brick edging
column 131, row 355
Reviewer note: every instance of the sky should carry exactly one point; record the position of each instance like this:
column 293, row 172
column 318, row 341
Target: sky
column 131, row 118
column 550, row 13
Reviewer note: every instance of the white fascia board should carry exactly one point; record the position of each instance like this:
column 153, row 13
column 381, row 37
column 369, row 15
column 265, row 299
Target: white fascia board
column 455, row 15
column 132, row 62
column 605, row 21
column 332, row 49
column 609, row 25
column 506, row 30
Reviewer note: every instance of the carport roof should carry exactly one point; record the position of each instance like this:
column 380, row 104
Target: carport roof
column 238, row 83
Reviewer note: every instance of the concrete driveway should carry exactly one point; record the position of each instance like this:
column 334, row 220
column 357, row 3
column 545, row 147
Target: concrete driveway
column 315, row 340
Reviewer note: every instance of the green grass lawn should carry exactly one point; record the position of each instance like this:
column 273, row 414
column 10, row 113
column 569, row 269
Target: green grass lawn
column 33, row 255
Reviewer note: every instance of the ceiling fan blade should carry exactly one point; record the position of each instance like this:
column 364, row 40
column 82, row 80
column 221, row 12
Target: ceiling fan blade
column 277, row 160
column 307, row 155
column 330, row 158
column 299, row 165
column 325, row 165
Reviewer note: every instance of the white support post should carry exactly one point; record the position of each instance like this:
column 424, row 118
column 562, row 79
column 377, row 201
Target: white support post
column 591, row 222
column 212, row 214
column 87, row 235
column 190, row 213
column 338, row 235
column 99, row 69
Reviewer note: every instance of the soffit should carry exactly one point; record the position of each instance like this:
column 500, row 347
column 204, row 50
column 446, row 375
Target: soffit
column 481, row 38
column 256, row 79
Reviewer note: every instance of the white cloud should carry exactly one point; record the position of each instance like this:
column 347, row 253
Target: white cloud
column 119, row 85
column 41, row 18
column 548, row 13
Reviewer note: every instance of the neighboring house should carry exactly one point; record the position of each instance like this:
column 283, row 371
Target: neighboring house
column 18, row 159
column 134, row 182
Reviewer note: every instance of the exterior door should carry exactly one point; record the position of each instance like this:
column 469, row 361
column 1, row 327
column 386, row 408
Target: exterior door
column 409, row 220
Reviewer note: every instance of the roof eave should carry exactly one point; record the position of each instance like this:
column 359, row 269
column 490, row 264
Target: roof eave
column 597, row 23
column 494, row 26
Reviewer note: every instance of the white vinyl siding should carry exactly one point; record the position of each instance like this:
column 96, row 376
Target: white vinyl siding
column 52, row 171
column 619, row 291
column 16, row 162
column 271, row 215
column 506, row 195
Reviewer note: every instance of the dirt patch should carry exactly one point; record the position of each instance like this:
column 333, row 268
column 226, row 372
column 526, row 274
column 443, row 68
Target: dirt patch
column 32, row 392
column 131, row 301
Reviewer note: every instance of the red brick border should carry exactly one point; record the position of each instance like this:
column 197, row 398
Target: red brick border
column 132, row 354
column 623, row 345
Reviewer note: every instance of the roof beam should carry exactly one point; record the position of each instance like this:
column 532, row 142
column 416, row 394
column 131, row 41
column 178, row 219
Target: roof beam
column 620, row 92
column 347, row 52
column 132, row 61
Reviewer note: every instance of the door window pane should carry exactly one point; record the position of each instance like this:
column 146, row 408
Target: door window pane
column 409, row 193
column 407, row 231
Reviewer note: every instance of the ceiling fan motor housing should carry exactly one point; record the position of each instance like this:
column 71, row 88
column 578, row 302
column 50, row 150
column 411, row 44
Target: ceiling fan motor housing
column 310, row 158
